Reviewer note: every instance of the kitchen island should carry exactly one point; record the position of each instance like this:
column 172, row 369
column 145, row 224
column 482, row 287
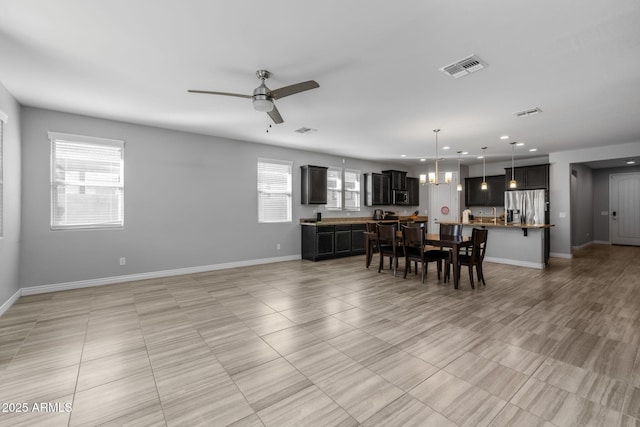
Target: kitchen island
column 524, row 245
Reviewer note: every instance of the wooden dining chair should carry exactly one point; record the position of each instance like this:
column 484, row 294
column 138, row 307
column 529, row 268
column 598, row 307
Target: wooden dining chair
column 417, row 224
column 413, row 239
column 373, row 241
column 388, row 245
column 476, row 257
column 444, row 254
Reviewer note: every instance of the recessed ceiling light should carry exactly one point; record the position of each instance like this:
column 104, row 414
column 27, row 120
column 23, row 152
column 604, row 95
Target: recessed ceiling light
column 519, row 144
column 464, row 153
column 403, row 155
column 533, row 149
column 423, row 160
column 504, row 137
column 481, row 157
column 446, row 148
column 631, row 162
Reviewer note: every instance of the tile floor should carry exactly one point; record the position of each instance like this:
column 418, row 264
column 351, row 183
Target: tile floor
column 332, row 343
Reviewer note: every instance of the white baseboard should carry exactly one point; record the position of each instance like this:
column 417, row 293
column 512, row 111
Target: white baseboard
column 560, row 255
column 582, row 246
column 601, row 242
column 8, row 303
column 528, row 264
column 150, row 275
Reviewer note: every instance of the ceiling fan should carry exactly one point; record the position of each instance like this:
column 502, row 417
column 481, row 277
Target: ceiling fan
column 263, row 97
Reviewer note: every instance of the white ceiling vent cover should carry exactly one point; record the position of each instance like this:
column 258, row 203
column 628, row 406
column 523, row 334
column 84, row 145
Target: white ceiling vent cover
column 464, row 66
column 528, row 112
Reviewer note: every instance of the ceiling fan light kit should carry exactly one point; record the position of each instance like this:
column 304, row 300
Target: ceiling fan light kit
column 262, row 103
column 263, row 97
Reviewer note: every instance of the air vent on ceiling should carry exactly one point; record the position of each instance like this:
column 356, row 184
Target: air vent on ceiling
column 528, row 112
column 464, row 66
column 305, row 130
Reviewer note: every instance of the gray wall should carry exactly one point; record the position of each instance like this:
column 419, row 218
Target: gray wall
column 10, row 242
column 601, row 200
column 560, row 187
column 582, row 206
column 190, row 201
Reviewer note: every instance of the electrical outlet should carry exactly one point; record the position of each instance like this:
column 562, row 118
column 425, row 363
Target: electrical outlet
column 278, row 246
column 123, row 261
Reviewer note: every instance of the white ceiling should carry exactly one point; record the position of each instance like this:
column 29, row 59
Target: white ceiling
column 377, row 62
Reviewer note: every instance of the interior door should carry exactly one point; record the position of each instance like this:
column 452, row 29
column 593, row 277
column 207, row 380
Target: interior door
column 444, row 203
column 624, row 209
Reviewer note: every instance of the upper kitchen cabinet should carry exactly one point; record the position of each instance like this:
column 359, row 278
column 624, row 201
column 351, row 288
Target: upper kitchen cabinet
column 378, row 189
column 413, row 187
column 492, row 196
column 529, row 177
column 398, row 179
column 314, row 185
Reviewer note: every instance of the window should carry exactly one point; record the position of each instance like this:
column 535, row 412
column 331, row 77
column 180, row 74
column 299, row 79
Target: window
column 87, row 185
column 351, row 190
column 3, row 119
column 334, row 189
column 274, row 190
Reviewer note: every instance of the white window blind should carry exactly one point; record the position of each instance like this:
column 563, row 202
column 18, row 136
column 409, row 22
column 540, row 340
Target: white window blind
column 87, row 182
column 334, row 189
column 274, row 190
column 351, row 190
column 3, row 119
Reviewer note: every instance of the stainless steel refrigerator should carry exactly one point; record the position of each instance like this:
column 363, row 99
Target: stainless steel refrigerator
column 529, row 207
column 526, row 207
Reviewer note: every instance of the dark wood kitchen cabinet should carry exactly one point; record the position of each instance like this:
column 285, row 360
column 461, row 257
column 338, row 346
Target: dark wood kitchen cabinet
column 332, row 241
column 529, row 177
column 313, row 185
column 492, row 196
column 378, row 189
column 413, row 187
column 342, row 239
column 357, row 238
column 398, row 179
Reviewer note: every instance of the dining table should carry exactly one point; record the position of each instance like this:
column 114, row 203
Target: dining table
column 456, row 243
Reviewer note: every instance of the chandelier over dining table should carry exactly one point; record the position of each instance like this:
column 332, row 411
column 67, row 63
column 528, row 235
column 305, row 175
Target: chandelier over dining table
column 433, row 176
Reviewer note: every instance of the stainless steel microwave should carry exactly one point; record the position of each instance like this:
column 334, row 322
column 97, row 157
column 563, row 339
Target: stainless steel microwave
column 400, row 197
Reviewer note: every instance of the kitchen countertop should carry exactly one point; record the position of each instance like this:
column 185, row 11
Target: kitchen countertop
column 357, row 220
column 490, row 223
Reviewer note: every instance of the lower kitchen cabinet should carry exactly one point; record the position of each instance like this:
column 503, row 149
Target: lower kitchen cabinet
column 323, row 245
column 343, row 239
column 332, row 241
column 357, row 238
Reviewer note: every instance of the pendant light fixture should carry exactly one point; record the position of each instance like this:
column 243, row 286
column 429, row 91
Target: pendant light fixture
column 484, row 185
column 433, row 177
column 459, row 186
column 513, row 183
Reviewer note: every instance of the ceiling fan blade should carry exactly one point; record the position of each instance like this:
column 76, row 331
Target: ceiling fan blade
column 292, row 89
column 220, row 93
column 275, row 115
